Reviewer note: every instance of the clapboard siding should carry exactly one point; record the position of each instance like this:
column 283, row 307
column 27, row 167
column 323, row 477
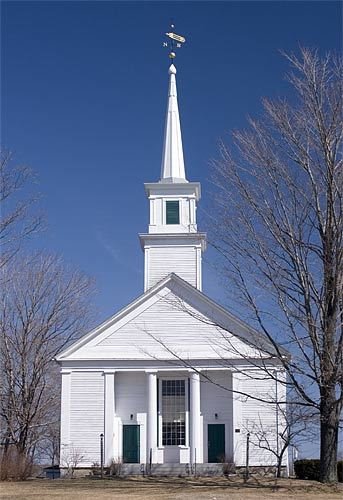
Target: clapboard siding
column 260, row 418
column 168, row 328
column 178, row 259
column 87, row 414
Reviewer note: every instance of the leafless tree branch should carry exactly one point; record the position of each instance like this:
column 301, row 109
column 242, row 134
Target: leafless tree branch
column 277, row 226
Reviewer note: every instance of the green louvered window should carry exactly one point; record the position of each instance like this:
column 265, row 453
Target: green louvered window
column 172, row 211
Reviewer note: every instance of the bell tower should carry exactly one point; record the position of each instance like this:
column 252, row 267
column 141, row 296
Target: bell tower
column 173, row 243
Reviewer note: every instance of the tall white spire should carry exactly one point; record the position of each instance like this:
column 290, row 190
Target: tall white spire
column 173, row 243
column 173, row 167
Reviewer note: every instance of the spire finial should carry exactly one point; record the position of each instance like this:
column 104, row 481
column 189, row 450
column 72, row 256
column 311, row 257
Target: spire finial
column 173, row 167
column 175, row 42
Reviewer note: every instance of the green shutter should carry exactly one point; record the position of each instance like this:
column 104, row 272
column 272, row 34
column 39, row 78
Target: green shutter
column 172, row 209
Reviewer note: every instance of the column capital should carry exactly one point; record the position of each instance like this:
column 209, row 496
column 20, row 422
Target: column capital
column 109, row 372
column 194, row 372
column 151, row 372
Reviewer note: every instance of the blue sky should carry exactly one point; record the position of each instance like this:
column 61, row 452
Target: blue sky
column 84, row 87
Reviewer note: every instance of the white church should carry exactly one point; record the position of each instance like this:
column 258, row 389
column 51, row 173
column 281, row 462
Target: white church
column 173, row 381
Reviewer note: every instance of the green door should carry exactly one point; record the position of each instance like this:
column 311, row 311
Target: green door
column 131, row 444
column 216, row 443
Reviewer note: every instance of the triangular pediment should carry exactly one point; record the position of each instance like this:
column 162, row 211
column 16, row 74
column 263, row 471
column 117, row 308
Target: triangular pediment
column 172, row 321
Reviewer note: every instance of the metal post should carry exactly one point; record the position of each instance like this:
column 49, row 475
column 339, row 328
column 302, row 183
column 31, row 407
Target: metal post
column 294, row 458
column 102, row 454
column 53, row 462
column 247, row 459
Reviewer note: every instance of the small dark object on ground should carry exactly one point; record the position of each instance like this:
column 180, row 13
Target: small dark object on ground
column 52, row 472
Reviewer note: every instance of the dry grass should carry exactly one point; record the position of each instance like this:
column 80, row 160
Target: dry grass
column 168, row 488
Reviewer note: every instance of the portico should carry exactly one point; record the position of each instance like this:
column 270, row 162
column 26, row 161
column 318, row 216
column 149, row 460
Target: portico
column 170, row 421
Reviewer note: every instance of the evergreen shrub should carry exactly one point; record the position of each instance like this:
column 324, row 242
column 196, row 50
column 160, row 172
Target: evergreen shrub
column 307, row 469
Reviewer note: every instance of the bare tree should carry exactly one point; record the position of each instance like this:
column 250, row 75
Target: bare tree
column 278, row 228
column 296, row 424
column 71, row 456
column 18, row 216
column 44, row 305
column 48, row 442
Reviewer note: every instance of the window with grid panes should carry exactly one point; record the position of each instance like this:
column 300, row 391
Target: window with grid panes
column 173, row 412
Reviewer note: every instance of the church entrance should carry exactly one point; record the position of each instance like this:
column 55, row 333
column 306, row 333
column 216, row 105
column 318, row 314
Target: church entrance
column 216, row 443
column 131, row 444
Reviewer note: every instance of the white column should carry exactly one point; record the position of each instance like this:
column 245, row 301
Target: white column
column 146, row 268
column 152, row 415
column 109, row 417
column 237, row 444
column 195, row 421
column 65, row 413
column 199, row 268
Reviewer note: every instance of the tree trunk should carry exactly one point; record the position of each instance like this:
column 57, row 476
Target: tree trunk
column 328, row 439
column 279, row 466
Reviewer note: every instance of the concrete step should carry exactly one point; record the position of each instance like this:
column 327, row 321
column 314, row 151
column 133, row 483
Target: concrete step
column 132, row 469
column 172, row 469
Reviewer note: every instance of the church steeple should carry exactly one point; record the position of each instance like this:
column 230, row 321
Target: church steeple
column 173, row 166
column 172, row 243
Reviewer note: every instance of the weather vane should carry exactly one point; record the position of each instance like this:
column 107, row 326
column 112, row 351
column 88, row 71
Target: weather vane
column 175, row 42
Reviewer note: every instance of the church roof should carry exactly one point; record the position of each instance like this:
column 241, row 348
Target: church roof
column 210, row 326
column 173, row 166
